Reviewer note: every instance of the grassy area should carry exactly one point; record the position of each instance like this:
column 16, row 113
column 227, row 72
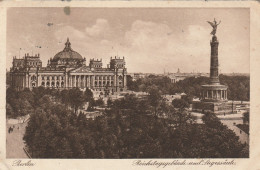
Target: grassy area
column 244, row 127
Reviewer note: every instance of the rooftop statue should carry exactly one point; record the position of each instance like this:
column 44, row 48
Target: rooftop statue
column 214, row 25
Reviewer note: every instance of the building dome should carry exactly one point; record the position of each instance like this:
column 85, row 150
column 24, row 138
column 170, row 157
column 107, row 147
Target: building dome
column 67, row 53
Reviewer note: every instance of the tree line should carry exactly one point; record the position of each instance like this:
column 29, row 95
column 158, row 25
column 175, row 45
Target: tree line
column 130, row 128
column 238, row 86
column 20, row 103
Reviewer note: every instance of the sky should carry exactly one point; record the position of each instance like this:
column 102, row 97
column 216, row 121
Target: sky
column 152, row 40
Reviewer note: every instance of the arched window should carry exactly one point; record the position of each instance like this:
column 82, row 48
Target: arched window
column 43, row 83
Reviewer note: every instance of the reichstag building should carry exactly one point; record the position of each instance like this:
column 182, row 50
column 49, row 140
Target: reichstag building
column 68, row 69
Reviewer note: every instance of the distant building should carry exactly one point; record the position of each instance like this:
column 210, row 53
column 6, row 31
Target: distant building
column 136, row 76
column 175, row 77
column 68, row 69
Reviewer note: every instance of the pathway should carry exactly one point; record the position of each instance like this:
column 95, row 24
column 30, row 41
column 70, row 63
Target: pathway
column 243, row 137
column 229, row 121
column 15, row 142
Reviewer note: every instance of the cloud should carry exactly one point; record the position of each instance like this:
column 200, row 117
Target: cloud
column 69, row 31
column 101, row 27
column 147, row 34
column 105, row 42
column 157, row 45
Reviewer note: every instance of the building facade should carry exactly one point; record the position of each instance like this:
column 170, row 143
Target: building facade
column 68, row 69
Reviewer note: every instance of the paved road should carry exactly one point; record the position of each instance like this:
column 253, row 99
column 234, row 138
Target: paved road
column 14, row 141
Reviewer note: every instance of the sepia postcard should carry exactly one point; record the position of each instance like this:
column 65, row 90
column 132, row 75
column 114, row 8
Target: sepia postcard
column 129, row 85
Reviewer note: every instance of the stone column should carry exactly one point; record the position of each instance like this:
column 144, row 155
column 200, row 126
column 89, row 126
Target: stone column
column 115, row 81
column 125, row 81
column 55, row 80
column 69, row 81
column 84, row 81
column 29, row 81
column 82, row 78
column 26, row 80
column 93, row 81
column 79, row 82
column 61, row 80
column 102, row 78
column 97, row 81
column 45, row 81
column 39, row 80
column 88, row 81
column 22, row 81
column 75, row 79
column 66, row 81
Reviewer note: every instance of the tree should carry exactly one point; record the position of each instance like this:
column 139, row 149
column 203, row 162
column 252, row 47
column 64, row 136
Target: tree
column 180, row 104
column 246, row 117
column 223, row 140
column 187, row 98
column 99, row 102
column 192, row 86
column 28, row 95
column 127, row 130
column 65, row 97
column 88, row 95
column 11, row 95
column 76, row 98
column 9, row 111
column 109, row 102
column 154, row 97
